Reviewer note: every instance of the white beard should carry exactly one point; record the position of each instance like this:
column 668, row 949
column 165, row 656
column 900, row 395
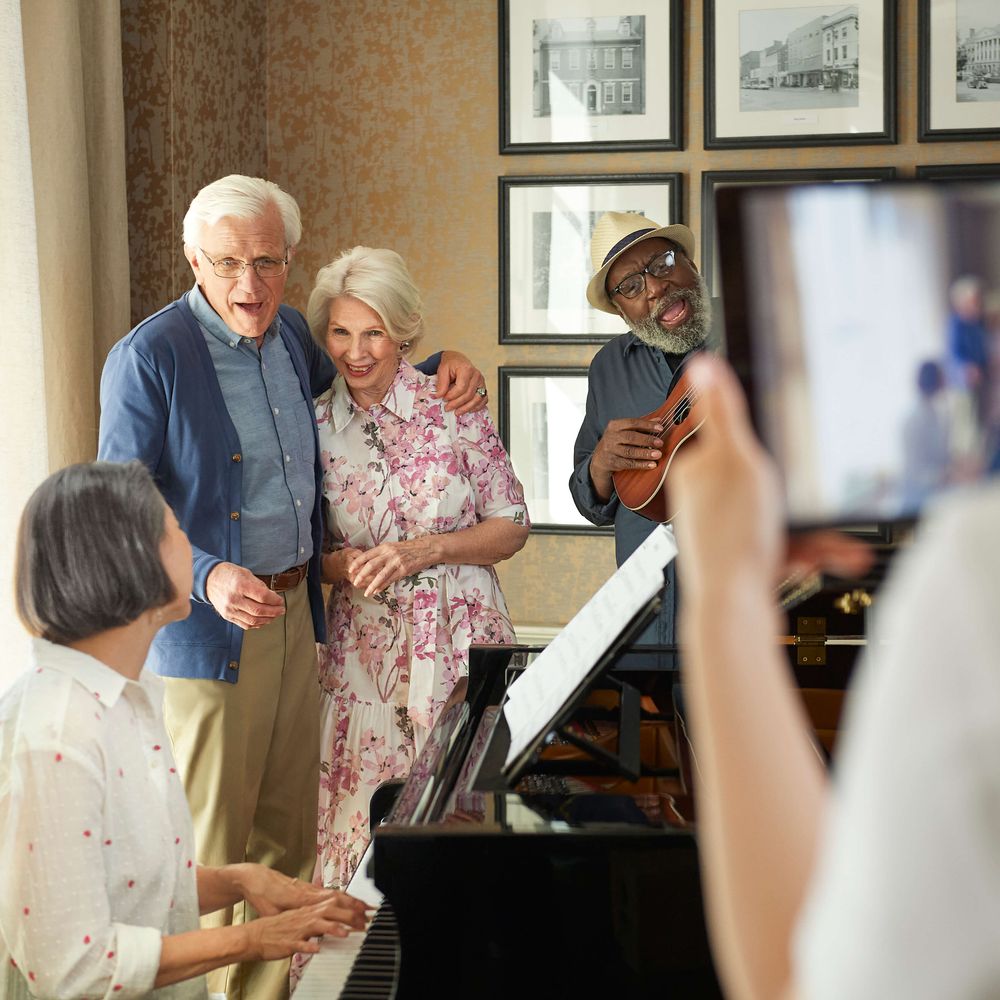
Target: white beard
column 690, row 334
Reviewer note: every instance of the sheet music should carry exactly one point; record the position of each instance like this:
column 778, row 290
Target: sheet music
column 536, row 697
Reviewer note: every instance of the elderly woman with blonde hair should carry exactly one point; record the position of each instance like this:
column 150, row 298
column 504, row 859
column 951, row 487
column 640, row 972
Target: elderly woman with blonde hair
column 421, row 506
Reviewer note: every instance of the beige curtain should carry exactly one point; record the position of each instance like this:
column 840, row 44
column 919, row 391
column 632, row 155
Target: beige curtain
column 63, row 215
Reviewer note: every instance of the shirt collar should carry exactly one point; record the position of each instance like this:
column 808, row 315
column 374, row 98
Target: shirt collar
column 398, row 400
column 105, row 684
column 212, row 322
column 631, row 342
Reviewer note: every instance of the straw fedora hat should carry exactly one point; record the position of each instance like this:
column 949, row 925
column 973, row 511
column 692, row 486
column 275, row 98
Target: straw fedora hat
column 614, row 233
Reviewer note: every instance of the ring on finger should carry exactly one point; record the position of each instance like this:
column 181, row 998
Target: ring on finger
column 481, row 391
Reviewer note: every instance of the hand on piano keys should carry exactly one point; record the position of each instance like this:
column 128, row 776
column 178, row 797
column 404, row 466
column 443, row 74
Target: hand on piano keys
column 285, row 933
column 360, row 964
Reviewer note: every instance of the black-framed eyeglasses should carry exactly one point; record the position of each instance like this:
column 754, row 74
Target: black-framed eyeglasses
column 233, row 267
column 660, row 266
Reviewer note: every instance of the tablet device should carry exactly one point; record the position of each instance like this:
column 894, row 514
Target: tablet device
column 862, row 320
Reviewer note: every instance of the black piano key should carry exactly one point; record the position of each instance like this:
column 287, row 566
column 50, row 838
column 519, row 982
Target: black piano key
column 375, row 971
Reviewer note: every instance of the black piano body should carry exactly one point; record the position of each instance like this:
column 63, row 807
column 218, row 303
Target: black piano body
column 549, row 890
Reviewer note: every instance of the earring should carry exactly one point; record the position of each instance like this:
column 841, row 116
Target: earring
column 405, row 345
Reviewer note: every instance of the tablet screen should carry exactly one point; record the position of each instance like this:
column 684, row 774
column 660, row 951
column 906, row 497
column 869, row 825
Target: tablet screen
column 863, row 321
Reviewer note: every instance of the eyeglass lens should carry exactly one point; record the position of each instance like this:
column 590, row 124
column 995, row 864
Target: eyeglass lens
column 231, row 267
column 658, row 267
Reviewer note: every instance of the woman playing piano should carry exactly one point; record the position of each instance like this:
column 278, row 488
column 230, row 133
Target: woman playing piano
column 99, row 890
column 421, row 505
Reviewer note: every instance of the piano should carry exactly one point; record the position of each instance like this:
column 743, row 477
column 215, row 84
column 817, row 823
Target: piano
column 553, row 888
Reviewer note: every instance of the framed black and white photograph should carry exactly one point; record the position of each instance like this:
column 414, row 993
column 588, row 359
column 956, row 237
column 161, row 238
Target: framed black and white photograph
column 713, row 180
column 789, row 73
column 580, row 75
column 959, row 172
column 959, row 47
column 541, row 410
column 545, row 229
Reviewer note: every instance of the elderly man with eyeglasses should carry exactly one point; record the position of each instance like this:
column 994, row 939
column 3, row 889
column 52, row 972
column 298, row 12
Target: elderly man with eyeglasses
column 646, row 274
column 214, row 394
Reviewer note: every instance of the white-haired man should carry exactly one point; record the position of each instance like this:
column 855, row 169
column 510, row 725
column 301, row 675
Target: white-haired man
column 646, row 274
column 214, row 394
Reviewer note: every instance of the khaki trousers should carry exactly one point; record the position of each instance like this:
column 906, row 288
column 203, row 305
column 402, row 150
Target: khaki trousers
column 249, row 756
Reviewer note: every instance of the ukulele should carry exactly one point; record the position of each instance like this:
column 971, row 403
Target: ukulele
column 644, row 490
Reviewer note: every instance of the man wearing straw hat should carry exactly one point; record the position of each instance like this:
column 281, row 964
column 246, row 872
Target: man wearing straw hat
column 646, row 274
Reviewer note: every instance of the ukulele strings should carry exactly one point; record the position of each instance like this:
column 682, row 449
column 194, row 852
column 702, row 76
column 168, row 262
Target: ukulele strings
column 689, row 397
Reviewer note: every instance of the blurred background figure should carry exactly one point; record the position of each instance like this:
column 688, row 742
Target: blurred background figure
column 967, row 364
column 926, row 438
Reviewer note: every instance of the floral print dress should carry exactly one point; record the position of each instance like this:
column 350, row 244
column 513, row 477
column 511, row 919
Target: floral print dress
column 401, row 469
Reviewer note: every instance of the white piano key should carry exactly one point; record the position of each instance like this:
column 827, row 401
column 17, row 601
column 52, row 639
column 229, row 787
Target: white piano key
column 327, row 972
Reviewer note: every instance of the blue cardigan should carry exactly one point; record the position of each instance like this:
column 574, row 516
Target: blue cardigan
column 161, row 403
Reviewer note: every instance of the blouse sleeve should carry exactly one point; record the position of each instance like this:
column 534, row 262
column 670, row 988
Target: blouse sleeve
column 486, row 463
column 54, row 910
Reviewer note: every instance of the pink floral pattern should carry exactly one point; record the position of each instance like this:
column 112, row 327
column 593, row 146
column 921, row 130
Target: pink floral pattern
column 401, row 469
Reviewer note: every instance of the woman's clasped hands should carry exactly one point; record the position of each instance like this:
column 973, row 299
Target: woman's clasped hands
column 373, row 570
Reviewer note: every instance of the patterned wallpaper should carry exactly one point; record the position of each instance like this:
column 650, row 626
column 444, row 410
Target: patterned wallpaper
column 195, row 83
column 381, row 118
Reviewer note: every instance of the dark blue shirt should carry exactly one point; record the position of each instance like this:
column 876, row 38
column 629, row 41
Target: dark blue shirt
column 627, row 378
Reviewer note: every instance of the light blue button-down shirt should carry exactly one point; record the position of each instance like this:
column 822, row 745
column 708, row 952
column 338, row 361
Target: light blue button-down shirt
column 273, row 421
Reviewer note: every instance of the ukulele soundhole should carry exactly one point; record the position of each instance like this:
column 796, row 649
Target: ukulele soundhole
column 682, row 414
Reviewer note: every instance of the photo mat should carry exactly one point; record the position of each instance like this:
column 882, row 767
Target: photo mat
column 590, row 74
column 794, row 73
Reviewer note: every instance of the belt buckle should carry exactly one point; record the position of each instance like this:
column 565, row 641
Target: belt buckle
column 272, row 581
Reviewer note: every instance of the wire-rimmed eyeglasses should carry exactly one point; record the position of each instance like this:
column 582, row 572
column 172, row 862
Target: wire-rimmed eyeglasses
column 659, row 267
column 233, row 267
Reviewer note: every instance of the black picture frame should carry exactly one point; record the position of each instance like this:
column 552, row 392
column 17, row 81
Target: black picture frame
column 959, row 172
column 947, row 111
column 529, row 451
column 713, row 180
column 525, row 273
column 736, row 118
column 583, row 89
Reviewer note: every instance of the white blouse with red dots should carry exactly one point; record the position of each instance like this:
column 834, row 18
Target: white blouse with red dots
column 97, row 858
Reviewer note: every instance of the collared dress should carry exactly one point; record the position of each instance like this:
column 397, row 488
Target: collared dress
column 95, row 835
column 401, row 469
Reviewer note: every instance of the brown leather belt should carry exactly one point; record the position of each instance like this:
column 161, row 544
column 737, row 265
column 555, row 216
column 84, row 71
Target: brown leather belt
column 286, row 580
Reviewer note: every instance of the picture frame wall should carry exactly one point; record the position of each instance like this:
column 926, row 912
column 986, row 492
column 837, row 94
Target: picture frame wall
column 545, row 228
column 779, row 73
column 713, row 180
column 959, row 70
column 541, row 410
column 587, row 75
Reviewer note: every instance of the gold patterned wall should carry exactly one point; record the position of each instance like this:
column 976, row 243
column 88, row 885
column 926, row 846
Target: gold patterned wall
column 195, row 83
column 381, row 118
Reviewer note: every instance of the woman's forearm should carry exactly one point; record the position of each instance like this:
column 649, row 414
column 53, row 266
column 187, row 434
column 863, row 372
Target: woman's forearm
column 218, row 887
column 484, row 544
column 761, row 788
column 193, row 953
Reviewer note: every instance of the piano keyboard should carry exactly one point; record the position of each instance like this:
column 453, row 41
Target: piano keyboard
column 360, row 965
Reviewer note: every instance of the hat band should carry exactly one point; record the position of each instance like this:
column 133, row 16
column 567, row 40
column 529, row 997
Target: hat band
column 621, row 244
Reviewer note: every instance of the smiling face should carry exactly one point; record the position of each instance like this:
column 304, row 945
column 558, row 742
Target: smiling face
column 360, row 346
column 249, row 303
column 672, row 312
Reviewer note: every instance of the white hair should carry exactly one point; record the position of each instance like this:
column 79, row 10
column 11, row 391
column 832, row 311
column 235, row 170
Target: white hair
column 240, row 197
column 378, row 278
